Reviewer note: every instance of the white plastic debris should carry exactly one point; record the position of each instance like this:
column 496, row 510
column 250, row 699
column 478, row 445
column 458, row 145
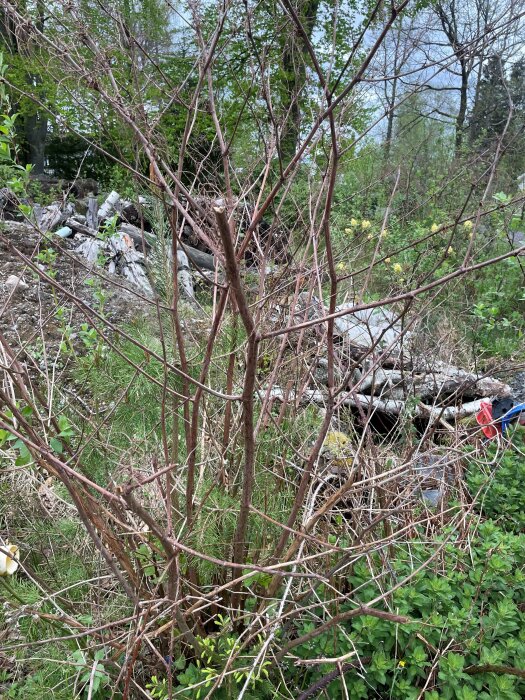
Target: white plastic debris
column 9, row 556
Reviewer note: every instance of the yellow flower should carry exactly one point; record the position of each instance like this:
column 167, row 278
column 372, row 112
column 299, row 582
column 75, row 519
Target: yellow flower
column 337, row 447
column 468, row 225
column 434, row 228
column 341, row 267
column 354, row 222
column 450, row 250
column 384, row 233
column 387, row 261
column 369, row 237
column 9, row 556
column 348, row 231
column 402, row 663
column 365, row 224
column 470, row 234
column 397, row 268
column 336, row 442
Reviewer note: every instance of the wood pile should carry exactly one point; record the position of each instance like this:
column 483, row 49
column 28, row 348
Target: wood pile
column 108, row 235
column 384, row 374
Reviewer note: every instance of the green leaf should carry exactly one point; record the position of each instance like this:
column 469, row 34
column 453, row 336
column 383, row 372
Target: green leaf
column 66, row 429
column 24, row 456
column 56, row 445
column 180, row 662
column 466, row 693
column 25, row 209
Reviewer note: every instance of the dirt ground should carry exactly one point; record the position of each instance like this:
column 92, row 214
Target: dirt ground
column 33, row 312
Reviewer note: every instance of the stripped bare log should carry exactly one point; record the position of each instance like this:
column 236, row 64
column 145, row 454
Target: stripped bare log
column 109, row 206
column 90, row 249
column 198, row 258
column 434, row 383
column 184, row 275
column 389, row 406
column 92, row 213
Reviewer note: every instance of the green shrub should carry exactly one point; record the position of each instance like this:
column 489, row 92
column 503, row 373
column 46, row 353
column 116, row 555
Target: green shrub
column 467, row 611
column 502, row 497
column 467, row 617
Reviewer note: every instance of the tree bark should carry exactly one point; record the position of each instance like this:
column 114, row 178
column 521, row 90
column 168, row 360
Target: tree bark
column 448, row 17
column 35, row 132
column 462, row 112
column 294, row 59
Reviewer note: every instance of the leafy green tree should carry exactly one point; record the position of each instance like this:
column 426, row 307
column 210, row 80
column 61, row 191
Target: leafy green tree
column 491, row 110
column 25, row 58
column 499, row 113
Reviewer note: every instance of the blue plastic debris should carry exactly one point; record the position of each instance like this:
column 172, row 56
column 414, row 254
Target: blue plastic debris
column 511, row 416
column 64, row 232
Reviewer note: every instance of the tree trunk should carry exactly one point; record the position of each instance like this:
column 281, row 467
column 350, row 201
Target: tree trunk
column 295, row 55
column 390, row 118
column 35, row 132
column 462, row 112
column 294, row 79
column 33, row 126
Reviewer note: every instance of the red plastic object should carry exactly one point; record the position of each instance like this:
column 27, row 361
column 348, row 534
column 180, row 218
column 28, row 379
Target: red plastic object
column 484, row 418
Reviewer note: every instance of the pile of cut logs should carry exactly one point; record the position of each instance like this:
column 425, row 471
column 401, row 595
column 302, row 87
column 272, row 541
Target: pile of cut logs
column 388, row 376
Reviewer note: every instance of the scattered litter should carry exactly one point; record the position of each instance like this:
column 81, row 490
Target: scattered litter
column 495, row 417
column 64, row 232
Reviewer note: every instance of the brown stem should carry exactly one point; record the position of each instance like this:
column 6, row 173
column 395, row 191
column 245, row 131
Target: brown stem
column 234, row 279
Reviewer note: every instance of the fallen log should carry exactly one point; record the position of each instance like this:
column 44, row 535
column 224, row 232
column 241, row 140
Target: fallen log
column 48, row 218
column 90, row 249
column 376, row 380
column 430, row 384
column 198, row 258
column 135, row 273
column 92, row 213
column 137, row 236
column 184, row 277
column 132, row 231
column 79, row 227
column 109, row 206
column 391, row 406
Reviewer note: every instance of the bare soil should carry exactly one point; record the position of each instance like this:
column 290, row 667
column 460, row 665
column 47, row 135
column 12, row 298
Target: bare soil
column 34, row 311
